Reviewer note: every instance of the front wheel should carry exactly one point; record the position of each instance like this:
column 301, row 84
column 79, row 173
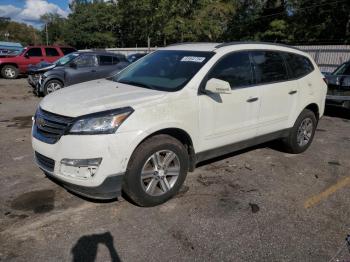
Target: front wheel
column 9, row 72
column 52, row 86
column 302, row 133
column 156, row 171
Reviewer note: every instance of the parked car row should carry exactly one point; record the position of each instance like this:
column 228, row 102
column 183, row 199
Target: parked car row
column 74, row 68
column 12, row 66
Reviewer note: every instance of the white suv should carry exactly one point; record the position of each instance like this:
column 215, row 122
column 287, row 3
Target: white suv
column 142, row 130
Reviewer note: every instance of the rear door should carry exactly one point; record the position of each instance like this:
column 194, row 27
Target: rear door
column 105, row 66
column 278, row 93
column 85, row 70
column 52, row 54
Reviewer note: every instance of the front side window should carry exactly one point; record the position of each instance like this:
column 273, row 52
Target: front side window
column 34, row 52
column 85, row 61
column 235, row 69
column 66, row 59
column 269, row 67
column 299, row 65
column 166, row 70
column 51, row 52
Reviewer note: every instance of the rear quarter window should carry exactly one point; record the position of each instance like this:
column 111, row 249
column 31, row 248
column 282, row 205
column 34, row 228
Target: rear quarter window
column 299, row 65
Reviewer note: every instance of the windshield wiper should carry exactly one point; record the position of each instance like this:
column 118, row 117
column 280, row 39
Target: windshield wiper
column 137, row 84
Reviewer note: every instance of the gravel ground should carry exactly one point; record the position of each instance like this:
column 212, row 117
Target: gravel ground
column 258, row 204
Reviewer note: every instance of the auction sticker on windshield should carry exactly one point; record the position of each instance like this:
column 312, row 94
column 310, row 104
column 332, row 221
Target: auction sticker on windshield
column 197, row 59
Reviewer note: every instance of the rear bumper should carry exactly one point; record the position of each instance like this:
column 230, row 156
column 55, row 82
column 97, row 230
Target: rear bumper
column 110, row 188
column 335, row 100
column 338, row 98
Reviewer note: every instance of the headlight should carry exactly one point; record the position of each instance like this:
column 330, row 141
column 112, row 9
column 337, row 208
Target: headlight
column 101, row 123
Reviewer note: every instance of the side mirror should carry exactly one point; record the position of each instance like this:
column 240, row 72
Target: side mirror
column 218, row 86
column 26, row 55
column 73, row 65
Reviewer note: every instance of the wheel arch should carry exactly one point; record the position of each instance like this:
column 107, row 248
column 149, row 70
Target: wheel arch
column 8, row 63
column 180, row 135
column 315, row 109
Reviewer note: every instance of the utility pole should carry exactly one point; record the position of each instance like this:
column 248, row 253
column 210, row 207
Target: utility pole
column 47, row 35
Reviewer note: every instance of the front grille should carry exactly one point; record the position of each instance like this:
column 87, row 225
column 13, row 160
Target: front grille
column 49, row 127
column 44, row 162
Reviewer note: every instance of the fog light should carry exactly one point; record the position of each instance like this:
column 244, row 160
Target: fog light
column 80, row 168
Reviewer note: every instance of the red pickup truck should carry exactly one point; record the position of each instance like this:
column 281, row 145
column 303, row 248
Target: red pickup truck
column 12, row 66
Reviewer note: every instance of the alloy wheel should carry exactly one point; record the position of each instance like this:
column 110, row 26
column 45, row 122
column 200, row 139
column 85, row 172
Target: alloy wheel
column 160, row 172
column 305, row 131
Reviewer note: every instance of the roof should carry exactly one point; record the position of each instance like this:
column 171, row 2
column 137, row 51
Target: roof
column 210, row 47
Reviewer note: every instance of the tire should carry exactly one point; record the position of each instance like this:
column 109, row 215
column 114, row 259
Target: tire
column 156, row 187
column 293, row 143
column 9, row 72
column 52, row 86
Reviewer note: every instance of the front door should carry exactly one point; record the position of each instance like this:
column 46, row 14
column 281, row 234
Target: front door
column 85, row 70
column 228, row 118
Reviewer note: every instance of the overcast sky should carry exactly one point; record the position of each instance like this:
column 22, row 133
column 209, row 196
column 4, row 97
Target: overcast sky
column 29, row 11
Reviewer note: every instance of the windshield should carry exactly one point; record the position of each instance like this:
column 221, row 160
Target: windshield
column 164, row 70
column 66, row 59
column 343, row 69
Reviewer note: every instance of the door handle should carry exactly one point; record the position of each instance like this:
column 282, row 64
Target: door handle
column 292, row 92
column 253, row 99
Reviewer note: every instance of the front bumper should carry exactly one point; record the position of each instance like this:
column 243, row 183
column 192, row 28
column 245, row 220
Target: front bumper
column 110, row 188
column 115, row 151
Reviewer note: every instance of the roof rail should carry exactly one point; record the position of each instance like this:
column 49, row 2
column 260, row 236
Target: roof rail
column 189, row 43
column 255, row 42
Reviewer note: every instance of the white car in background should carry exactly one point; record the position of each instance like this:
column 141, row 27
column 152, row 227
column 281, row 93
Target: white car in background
column 142, row 130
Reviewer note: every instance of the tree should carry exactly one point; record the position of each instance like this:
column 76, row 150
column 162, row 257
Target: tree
column 55, row 28
column 93, row 25
column 18, row 32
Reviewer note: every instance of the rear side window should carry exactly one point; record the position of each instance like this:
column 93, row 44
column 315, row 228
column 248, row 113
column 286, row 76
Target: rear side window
column 234, row 68
column 67, row 50
column 51, row 52
column 34, row 52
column 269, row 67
column 299, row 65
column 105, row 60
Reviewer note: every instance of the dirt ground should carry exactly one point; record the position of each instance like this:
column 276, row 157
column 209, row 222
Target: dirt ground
column 259, row 204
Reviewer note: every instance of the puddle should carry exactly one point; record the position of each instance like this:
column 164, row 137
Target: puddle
column 21, row 122
column 41, row 201
column 255, row 208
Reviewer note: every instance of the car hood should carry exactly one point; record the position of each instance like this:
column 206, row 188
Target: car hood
column 40, row 67
column 96, row 96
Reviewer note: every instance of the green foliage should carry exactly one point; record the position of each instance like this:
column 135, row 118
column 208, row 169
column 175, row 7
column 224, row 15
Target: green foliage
column 55, row 28
column 93, row 24
column 18, row 32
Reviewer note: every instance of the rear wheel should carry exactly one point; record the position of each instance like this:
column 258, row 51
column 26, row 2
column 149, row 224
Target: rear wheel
column 156, row 171
column 302, row 133
column 9, row 72
column 52, row 86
